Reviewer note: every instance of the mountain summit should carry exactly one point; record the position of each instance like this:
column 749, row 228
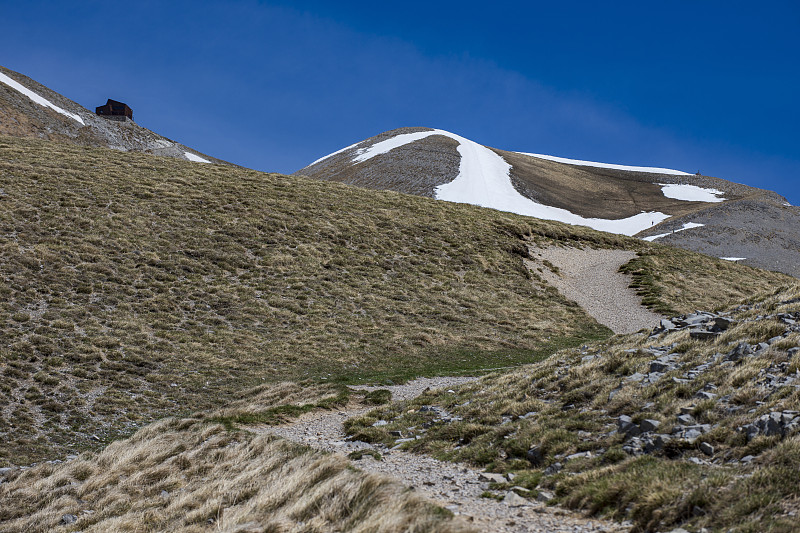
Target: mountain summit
column 692, row 211
column 29, row 109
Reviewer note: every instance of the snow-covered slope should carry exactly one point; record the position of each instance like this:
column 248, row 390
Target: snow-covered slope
column 484, row 179
column 29, row 109
column 654, row 203
column 582, row 163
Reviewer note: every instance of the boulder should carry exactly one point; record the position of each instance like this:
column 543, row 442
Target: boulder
column 491, row 478
column 740, row 352
column 554, row 468
column 627, row 426
column 648, row 425
column 535, row 455
column 703, row 335
column 512, row 499
column 706, row 448
column 722, row 323
column 667, row 325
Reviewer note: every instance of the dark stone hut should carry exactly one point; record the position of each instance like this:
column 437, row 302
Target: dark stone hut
column 115, row 109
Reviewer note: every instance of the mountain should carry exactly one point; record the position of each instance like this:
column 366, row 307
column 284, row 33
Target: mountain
column 29, row 109
column 699, row 213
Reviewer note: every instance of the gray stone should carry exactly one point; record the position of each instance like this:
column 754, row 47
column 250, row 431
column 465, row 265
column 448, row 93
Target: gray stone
column 535, row 455
column 667, row 324
column 554, row 468
column 686, row 420
column 544, row 496
column 750, row 430
column 648, row 425
column 4, row 471
column 692, row 434
column 661, row 365
column 740, row 352
column 626, row 425
column 380, row 423
column 704, row 395
column 512, row 499
column 491, row 478
column 655, row 443
column 722, row 323
column 794, row 351
column 68, row 519
column 694, row 319
column 747, row 458
column 706, row 448
column 703, row 335
column 578, row 455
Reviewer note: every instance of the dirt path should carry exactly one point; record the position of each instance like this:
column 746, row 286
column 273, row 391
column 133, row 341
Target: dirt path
column 457, row 487
column 592, row 279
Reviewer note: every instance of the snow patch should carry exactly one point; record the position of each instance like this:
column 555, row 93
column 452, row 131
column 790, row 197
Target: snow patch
column 396, row 142
column 581, row 163
column 691, row 193
column 688, row 225
column 346, row 148
column 733, row 258
column 483, row 179
column 38, row 99
column 196, row 158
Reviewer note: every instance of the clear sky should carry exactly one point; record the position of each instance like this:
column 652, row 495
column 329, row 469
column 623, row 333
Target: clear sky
column 692, row 85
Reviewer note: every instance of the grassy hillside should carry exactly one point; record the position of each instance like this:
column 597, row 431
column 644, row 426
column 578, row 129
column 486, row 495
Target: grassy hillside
column 135, row 287
column 559, row 425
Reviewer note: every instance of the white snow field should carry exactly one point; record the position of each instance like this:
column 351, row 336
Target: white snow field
column 733, row 258
column 691, row 193
column 581, row 163
column 38, row 99
column 483, row 179
column 196, row 158
column 688, row 225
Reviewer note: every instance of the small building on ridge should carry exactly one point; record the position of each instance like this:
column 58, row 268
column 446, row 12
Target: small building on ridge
column 115, row 109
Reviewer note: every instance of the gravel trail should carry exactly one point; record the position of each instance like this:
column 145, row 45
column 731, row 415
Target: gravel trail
column 592, row 279
column 457, row 487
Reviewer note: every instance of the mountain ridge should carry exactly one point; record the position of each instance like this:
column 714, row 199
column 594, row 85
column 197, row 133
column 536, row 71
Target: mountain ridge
column 647, row 202
column 30, row 109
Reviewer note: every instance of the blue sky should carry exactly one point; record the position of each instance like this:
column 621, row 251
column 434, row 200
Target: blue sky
column 692, row 85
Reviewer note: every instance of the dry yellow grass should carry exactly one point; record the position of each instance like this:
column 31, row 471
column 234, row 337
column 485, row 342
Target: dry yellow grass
column 184, row 475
